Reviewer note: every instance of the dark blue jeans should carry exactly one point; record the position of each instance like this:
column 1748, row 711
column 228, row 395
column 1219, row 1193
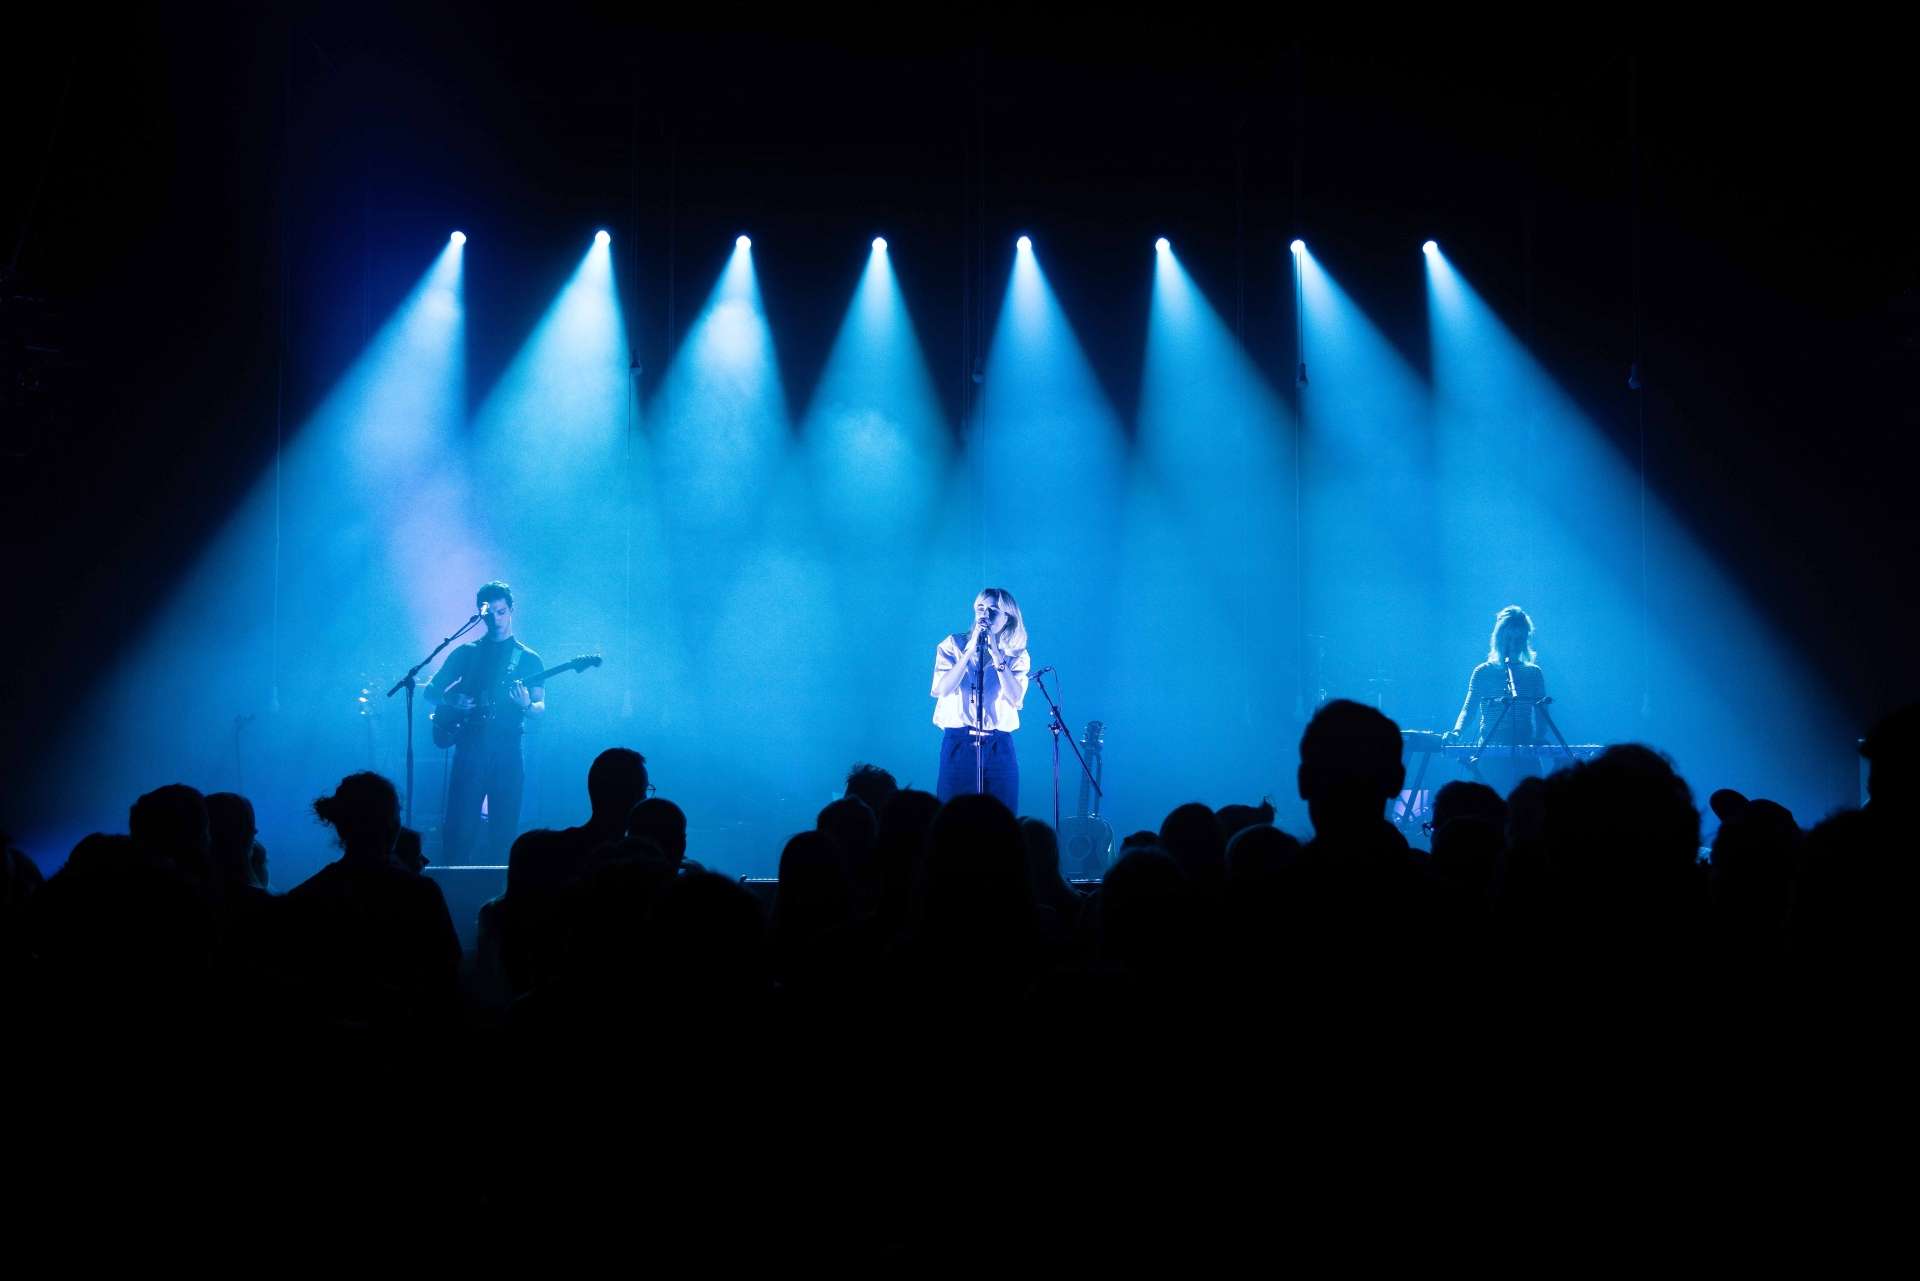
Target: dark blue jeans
column 957, row 773
column 486, row 765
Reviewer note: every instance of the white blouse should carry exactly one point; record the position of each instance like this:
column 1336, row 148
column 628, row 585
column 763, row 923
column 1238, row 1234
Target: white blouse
column 1005, row 692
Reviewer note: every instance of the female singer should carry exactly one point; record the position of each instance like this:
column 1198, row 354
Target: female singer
column 979, row 685
column 1501, row 696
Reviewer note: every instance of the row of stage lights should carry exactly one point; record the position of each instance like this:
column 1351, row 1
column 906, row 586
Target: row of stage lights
column 1025, row 243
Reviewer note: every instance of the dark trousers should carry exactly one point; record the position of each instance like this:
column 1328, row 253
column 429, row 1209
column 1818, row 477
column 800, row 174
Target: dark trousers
column 485, row 766
column 957, row 767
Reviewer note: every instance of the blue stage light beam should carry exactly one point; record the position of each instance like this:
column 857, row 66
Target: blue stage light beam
column 881, row 477
column 278, row 712
column 1366, row 524
column 1206, row 569
column 739, row 588
column 1700, row 674
column 551, row 440
column 1046, row 454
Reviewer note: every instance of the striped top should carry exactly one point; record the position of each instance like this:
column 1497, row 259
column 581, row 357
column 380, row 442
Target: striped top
column 1481, row 712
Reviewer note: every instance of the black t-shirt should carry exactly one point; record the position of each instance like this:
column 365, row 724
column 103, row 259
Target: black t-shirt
column 485, row 672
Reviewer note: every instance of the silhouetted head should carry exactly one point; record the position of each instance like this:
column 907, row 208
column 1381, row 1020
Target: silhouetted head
column 871, row 784
column 1349, row 764
column 1527, row 812
column 1622, row 826
column 852, row 823
column 1892, row 752
column 1234, row 819
column 103, row 854
column 20, row 881
column 977, row 879
column 1191, row 834
column 170, row 825
column 408, row 850
column 230, row 820
column 1462, row 799
column 1144, row 912
column 812, row 895
column 616, row 782
column 1756, row 856
column 364, row 812
column 1043, row 856
column 660, row 821
column 1258, row 854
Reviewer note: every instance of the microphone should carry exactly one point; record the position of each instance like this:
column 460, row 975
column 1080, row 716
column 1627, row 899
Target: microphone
column 1511, row 691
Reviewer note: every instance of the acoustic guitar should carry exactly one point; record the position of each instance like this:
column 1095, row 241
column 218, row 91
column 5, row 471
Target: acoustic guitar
column 1086, row 840
column 449, row 723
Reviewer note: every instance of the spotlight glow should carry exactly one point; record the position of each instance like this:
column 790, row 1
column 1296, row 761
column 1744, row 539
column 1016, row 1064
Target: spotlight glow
column 601, row 237
column 1023, row 244
column 1430, row 249
column 879, row 245
column 1298, row 246
column 458, row 237
column 743, row 243
column 1162, row 244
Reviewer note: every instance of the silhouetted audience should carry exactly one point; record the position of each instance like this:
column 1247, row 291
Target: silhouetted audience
column 374, row 945
column 925, row 939
column 514, row 940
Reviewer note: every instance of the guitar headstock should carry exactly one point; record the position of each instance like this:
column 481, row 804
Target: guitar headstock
column 585, row 661
column 1092, row 737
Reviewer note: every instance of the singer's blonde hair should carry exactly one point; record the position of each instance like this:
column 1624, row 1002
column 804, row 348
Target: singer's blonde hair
column 1512, row 619
column 1012, row 636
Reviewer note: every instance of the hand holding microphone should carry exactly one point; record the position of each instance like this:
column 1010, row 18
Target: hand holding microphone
column 977, row 640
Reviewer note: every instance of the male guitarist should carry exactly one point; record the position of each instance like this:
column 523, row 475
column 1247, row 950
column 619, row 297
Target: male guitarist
column 482, row 683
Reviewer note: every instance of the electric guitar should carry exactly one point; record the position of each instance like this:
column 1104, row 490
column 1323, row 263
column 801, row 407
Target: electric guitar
column 1086, row 840
column 450, row 722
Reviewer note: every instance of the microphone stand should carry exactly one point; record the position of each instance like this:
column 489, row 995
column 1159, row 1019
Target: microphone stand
column 1491, row 731
column 408, row 682
column 1056, row 724
column 979, row 714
